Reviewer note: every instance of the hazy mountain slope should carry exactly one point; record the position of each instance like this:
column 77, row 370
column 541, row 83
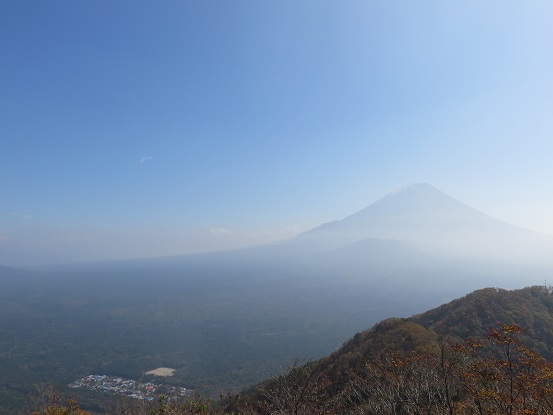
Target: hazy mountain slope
column 379, row 250
column 432, row 226
column 428, row 219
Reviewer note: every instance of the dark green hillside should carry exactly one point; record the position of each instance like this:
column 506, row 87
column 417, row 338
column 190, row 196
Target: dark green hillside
column 530, row 308
column 396, row 334
column 474, row 315
column 424, row 361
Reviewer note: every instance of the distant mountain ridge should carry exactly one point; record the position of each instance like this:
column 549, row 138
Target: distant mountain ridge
column 421, row 219
column 427, row 219
column 416, row 237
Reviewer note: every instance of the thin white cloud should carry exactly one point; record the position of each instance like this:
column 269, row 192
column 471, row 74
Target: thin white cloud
column 220, row 231
column 145, row 159
column 279, row 233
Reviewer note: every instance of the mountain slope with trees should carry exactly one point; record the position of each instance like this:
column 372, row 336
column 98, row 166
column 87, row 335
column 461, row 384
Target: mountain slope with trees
column 473, row 315
column 485, row 353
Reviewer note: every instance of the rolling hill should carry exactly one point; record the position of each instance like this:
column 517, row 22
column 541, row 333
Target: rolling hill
column 473, row 315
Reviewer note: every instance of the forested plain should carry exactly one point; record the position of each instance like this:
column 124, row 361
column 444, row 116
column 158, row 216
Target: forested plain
column 223, row 327
column 408, row 366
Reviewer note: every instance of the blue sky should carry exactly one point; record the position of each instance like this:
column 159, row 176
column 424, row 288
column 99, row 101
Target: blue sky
column 133, row 128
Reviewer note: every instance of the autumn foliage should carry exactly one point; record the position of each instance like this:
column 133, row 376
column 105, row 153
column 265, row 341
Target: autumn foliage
column 53, row 408
column 497, row 375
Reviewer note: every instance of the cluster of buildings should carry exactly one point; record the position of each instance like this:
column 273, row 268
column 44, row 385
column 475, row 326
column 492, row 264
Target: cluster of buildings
column 129, row 387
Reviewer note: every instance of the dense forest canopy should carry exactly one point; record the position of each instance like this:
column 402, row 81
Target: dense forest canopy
column 420, row 365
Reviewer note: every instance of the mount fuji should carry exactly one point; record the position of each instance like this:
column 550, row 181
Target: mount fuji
column 427, row 219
